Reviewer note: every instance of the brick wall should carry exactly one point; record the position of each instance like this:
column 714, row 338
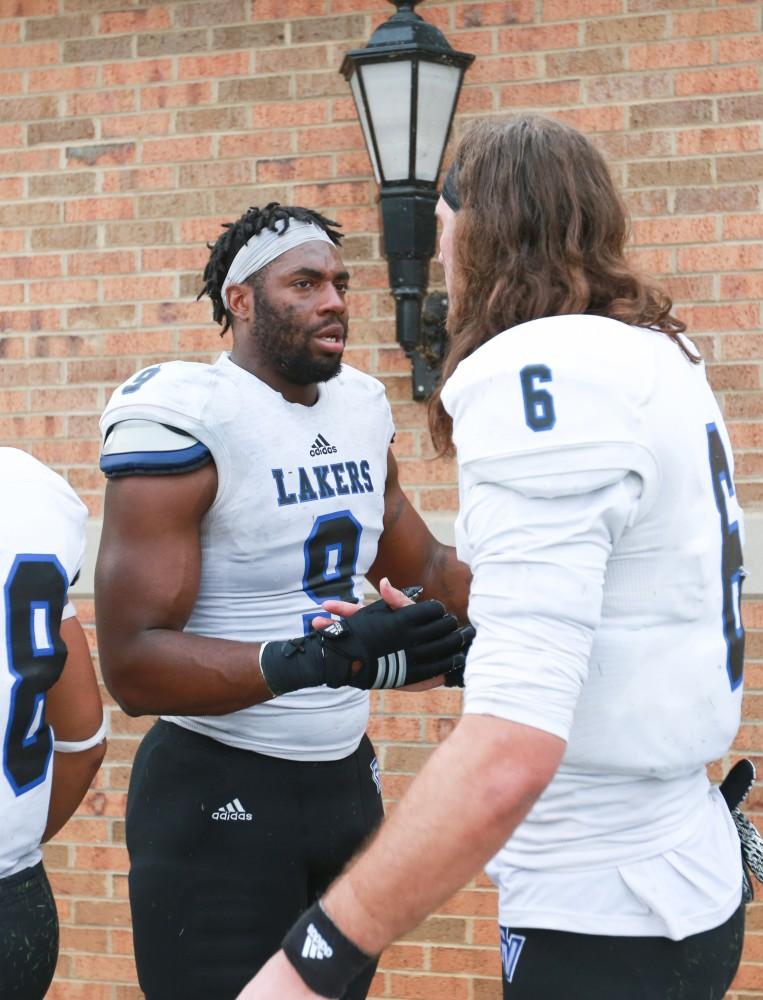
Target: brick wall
column 129, row 130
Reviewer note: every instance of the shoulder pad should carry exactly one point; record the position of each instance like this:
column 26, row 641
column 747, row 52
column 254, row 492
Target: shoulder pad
column 147, row 448
column 555, row 406
column 177, row 393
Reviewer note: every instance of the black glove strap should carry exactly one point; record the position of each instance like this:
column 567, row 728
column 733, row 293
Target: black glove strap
column 325, row 959
column 294, row 664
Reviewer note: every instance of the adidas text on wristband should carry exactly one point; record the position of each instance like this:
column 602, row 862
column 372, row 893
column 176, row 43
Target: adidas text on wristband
column 325, row 959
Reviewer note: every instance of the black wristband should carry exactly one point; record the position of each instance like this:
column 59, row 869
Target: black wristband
column 325, row 959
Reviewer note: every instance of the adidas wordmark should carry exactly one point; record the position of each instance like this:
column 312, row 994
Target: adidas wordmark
column 233, row 811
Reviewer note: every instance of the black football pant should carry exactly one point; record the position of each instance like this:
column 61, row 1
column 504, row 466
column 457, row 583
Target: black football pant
column 545, row 965
column 227, row 847
column 28, row 935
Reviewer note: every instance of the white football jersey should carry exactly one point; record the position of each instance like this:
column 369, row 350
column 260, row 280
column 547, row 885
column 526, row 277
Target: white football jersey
column 599, row 518
column 295, row 522
column 42, row 544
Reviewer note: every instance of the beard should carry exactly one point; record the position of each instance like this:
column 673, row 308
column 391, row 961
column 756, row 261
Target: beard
column 286, row 344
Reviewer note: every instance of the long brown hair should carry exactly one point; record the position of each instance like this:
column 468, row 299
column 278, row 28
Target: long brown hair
column 540, row 231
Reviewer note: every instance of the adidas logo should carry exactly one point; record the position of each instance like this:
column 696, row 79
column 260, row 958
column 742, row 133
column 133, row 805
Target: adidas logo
column 322, row 447
column 315, row 946
column 391, row 670
column 233, row 811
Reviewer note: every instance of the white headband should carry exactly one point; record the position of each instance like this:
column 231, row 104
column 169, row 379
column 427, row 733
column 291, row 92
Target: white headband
column 266, row 246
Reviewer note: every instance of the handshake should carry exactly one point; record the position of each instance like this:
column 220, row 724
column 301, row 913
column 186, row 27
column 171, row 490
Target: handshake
column 375, row 647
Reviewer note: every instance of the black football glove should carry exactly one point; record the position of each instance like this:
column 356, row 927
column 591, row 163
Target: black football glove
column 392, row 648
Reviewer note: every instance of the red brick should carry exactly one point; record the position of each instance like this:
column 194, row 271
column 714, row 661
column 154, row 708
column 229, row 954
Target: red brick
column 169, row 150
column 271, row 10
column 738, row 138
column 103, row 967
column 99, row 102
column 43, row 54
column 606, row 31
column 688, row 230
column 718, row 81
column 58, row 80
column 731, row 316
column 138, row 288
column 55, row 292
column 94, row 209
column 214, row 66
column 10, row 32
column 743, row 227
column 727, row 257
column 284, row 114
column 65, row 989
column 259, row 144
column 710, row 23
column 428, row 987
column 35, row 159
column 476, row 15
column 667, row 55
column 532, row 95
column 560, row 10
column 153, row 19
column 747, row 48
column 11, row 135
column 11, row 83
column 126, row 126
column 473, row 961
column 140, row 179
column 742, row 286
column 137, row 71
column 177, row 96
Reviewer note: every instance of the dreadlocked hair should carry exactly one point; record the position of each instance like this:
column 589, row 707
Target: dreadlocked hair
column 236, row 234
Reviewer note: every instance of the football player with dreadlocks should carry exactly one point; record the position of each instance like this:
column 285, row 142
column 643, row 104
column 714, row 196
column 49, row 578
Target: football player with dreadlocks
column 243, row 496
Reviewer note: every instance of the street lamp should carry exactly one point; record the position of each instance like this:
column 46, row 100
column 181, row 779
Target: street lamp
column 405, row 84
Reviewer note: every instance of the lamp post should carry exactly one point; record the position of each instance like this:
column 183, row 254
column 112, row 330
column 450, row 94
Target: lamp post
column 405, row 84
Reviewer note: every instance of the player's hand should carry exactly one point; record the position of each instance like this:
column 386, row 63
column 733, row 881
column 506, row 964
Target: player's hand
column 377, row 647
column 277, row 979
column 391, row 596
column 395, row 598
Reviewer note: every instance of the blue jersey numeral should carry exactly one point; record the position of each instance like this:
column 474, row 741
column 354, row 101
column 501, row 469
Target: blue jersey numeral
column 140, row 379
column 539, row 403
column 34, row 596
column 331, row 560
column 732, row 572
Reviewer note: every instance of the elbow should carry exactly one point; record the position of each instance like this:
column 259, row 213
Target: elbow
column 122, row 680
column 517, row 763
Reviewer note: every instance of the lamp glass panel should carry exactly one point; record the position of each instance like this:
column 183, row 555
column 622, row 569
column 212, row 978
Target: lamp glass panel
column 388, row 90
column 361, row 108
column 438, row 86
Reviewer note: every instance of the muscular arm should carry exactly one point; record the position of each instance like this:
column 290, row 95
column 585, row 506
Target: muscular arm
column 409, row 553
column 73, row 708
column 146, row 583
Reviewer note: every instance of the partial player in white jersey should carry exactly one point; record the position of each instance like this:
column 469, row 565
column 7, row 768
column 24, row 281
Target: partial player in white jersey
column 599, row 519
column 242, row 495
column 51, row 720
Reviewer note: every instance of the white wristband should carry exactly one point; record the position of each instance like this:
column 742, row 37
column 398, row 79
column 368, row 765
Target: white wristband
column 75, row 746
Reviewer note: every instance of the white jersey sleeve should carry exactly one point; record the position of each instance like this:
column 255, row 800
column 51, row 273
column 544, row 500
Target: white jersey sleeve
column 529, row 558
column 41, row 549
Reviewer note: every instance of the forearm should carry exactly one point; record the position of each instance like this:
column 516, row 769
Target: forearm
column 72, row 775
column 167, row 672
column 472, row 793
column 447, row 579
